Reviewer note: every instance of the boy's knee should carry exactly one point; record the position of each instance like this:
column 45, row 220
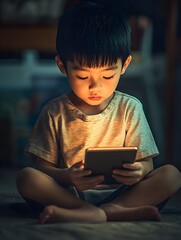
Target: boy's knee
column 172, row 176
column 170, row 171
column 26, row 179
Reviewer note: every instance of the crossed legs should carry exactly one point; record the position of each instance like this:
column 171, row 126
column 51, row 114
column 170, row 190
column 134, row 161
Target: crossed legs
column 135, row 204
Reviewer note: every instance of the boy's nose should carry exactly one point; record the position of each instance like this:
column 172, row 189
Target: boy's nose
column 94, row 84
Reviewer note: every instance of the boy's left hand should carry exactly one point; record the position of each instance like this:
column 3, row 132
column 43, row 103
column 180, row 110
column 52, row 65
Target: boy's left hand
column 131, row 174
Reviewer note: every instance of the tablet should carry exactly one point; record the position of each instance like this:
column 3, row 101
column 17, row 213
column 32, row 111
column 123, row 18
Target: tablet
column 102, row 161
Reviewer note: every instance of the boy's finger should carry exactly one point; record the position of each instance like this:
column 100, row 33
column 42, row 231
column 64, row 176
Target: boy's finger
column 132, row 166
column 95, row 180
column 126, row 173
column 82, row 173
column 77, row 165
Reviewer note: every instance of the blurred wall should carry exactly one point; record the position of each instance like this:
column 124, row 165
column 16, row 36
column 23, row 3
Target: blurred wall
column 29, row 77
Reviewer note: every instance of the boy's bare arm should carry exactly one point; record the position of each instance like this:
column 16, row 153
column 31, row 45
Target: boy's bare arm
column 62, row 176
column 147, row 164
column 73, row 176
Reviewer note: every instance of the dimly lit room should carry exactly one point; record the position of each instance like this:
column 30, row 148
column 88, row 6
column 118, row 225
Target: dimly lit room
column 30, row 78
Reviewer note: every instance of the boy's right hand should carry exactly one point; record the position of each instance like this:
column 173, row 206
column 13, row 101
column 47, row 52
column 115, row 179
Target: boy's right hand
column 80, row 179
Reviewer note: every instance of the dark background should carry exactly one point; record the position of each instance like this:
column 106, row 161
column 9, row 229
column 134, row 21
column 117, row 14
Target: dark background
column 29, row 76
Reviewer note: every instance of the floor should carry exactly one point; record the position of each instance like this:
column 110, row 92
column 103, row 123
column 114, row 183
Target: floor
column 18, row 222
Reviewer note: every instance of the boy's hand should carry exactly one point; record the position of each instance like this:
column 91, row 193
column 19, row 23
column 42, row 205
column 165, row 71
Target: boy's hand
column 131, row 174
column 80, row 179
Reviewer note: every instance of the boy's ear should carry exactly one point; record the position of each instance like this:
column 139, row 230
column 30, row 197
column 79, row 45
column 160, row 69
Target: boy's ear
column 126, row 64
column 60, row 65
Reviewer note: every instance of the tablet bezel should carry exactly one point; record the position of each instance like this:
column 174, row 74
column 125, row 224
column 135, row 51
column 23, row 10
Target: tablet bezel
column 101, row 161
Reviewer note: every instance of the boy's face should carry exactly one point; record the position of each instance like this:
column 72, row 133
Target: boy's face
column 94, row 86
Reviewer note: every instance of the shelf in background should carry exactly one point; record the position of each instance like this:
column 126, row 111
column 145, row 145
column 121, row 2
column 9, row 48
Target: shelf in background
column 18, row 38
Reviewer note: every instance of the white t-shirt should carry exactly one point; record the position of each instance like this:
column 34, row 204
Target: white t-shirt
column 62, row 132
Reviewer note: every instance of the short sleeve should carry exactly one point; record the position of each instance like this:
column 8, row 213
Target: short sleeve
column 138, row 132
column 44, row 142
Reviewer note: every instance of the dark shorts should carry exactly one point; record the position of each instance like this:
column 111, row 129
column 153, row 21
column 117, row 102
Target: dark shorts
column 95, row 197
column 105, row 196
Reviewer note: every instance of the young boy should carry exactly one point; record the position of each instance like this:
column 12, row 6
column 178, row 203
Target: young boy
column 93, row 46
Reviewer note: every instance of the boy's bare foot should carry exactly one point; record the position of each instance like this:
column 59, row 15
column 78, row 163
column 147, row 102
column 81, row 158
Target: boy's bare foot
column 116, row 212
column 53, row 214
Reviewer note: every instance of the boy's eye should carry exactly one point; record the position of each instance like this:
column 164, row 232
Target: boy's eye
column 109, row 77
column 82, row 78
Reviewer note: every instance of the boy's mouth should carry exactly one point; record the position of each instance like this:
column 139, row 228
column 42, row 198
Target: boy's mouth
column 95, row 98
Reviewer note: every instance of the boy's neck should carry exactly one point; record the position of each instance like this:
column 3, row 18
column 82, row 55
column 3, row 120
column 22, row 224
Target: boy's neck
column 86, row 108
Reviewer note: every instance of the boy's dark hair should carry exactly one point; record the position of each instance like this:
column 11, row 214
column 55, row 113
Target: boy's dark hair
column 94, row 34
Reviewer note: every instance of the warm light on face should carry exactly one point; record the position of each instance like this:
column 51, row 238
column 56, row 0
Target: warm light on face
column 93, row 85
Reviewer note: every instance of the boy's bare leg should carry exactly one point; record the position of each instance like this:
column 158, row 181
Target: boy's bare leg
column 129, row 206
column 160, row 185
column 41, row 188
